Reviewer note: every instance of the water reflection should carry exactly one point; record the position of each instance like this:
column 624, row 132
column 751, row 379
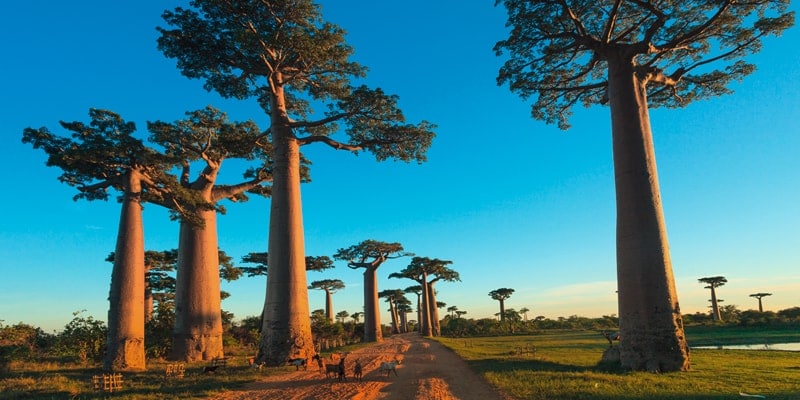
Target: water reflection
column 772, row 346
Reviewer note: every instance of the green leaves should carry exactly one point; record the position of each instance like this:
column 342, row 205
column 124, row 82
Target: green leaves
column 283, row 54
column 558, row 51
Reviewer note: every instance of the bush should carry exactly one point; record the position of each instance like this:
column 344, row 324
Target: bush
column 83, row 338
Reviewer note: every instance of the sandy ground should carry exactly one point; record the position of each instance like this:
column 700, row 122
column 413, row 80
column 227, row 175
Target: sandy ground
column 428, row 371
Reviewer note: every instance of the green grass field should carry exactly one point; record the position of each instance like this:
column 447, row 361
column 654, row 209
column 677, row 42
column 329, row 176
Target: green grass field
column 550, row 365
column 564, row 365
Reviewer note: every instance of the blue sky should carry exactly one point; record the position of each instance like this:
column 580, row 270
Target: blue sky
column 511, row 201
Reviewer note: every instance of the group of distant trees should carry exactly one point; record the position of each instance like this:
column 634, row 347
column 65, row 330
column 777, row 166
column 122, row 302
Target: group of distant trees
column 629, row 55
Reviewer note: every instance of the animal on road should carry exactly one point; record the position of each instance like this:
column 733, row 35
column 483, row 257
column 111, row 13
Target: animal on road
column 389, row 367
column 298, row 363
column 358, row 371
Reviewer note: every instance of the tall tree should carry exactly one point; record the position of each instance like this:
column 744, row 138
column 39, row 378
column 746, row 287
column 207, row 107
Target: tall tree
column 283, row 54
column 501, row 295
column 157, row 280
column 713, row 283
column 369, row 255
column 403, row 308
column 759, row 296
column 101, row 155
column 392, row 297
column 419, row 270
column 330, row 286
column 417, row 290
column 633, row 55
column 524, row 311
column 438, row 271
column 208, row 138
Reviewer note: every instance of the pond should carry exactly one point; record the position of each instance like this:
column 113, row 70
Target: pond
column 771, row 346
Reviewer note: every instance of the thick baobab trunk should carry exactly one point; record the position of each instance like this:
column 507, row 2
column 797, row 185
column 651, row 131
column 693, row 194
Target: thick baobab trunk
column 197, row 334
column 148, row 296
column 427, row 329
column 419, row 313
column 329, row 305
column 372, row 316
column 651, row 326
column 433, row 310
column 286, row 326
column 502, row 310
column 395, row 318
column 125, row 346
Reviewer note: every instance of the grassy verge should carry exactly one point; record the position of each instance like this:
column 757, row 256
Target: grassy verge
column 564, row 365
column 59, row 380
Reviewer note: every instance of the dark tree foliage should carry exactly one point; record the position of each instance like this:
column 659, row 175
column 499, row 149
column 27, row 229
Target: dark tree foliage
column 691, row 50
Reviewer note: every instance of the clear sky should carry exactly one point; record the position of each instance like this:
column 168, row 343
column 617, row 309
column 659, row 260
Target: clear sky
column 511, row 201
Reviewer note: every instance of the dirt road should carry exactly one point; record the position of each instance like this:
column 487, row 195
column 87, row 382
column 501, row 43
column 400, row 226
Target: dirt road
column 428, row 371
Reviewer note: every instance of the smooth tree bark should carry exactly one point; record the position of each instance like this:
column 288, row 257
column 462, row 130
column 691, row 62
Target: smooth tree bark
column 98, row 156
column 417, row 289
column 156, row 279
column 125, row 350
column 369, row 255
column 632, row 55
column 206, row 136
column 285, row 56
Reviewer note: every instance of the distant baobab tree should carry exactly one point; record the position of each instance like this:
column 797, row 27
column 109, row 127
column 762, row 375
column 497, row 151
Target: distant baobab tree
column 501, row 295
column 714, row 282
column 759, row 296
column 370, row 254
column 524, row 311
column 330, row 286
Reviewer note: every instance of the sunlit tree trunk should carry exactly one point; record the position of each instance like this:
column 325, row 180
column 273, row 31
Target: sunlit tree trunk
column 286, row 327
column 395, row 317
column 433, row 310
column 198, row 316
column 329, row 305
column 419, row 312
column 427, row 329
column 715, row 314
column 125, row 347
column 372, row 316
column 148, row 295
column 651, row 326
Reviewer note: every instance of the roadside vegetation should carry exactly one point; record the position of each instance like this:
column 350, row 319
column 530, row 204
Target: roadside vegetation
column 538, row 358
column 564, row 364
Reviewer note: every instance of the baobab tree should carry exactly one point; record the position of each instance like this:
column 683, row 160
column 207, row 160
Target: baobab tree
column 524, row 311
column 632, row 55
column 98, row 156
column 342, row 316
column 285, row 56
column 369, row 255
column 157, row 280
column 713, row 283
column 452, row 310
column 419, row 270
column 759, row 296
column 206, row 136
column 330, row 286
column 501, row 295
column 417, row 290
column 392, row 297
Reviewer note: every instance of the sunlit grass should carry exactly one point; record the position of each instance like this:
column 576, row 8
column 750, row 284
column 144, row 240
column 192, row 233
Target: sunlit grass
column 564, row 365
